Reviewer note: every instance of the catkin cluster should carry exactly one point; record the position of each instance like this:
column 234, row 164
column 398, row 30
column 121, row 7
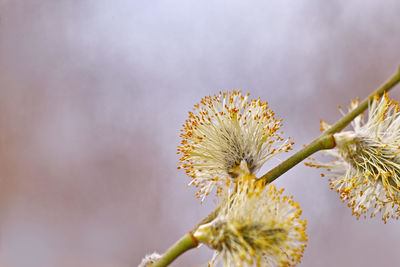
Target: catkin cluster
column 225, row 141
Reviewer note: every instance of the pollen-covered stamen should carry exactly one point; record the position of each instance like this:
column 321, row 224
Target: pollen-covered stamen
column 247, row 235
column 227, row 136
column 366, row 172
column 372, row 157
column 256, row 225
column 253, row 232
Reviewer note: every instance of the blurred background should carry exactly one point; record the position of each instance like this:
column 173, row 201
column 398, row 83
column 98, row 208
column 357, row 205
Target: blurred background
column 93, row 94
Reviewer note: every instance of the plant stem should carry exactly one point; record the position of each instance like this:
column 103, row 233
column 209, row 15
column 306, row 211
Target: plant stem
column 185, row 243
column 324, row 141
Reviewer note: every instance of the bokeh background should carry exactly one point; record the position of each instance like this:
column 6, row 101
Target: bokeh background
column 93, row 94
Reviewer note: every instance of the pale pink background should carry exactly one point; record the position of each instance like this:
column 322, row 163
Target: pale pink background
column 93, row 94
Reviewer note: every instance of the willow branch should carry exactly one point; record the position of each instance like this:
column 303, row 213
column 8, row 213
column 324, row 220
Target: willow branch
column 185, row 243
column 324, row 141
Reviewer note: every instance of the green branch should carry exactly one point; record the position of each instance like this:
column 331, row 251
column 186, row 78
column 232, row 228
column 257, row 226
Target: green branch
column 185, row 243
column 324, row 141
